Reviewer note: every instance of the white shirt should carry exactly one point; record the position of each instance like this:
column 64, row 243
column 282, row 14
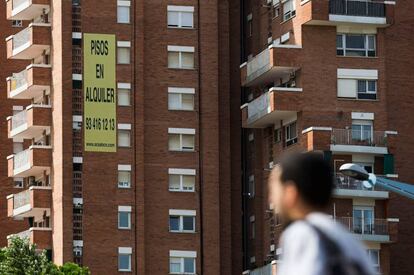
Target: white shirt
column 302, row 254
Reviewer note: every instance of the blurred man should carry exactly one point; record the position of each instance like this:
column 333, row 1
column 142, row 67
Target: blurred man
column 300, row 188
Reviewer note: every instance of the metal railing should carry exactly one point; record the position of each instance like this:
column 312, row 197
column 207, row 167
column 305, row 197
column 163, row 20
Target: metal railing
column 22, row 37
column 345, row 182
column 19, row 80
column 357, row 8
column 19, row 119
column 21, row 199
column 365, row 226
column 357, row 137
column 21, row 159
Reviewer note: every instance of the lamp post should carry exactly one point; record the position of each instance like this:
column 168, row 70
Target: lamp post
column 370, row 180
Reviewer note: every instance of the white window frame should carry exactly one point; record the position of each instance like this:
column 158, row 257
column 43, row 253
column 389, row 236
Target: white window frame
column 181, row 214
column 288, row 138
column 181, row 255
column 180, row 50
column 180, row 10
column 362, row 209
column 125, row 45
column 180, row 92
column 366, row 46
column 252, row 187
column 181, row 132
column 125, row 168
column 287, row 15
column 123, row 3
column 124, row 86
column 377, row 267
column 361, row 123
column 181, row 173
column 124, row 209
column 125, row 251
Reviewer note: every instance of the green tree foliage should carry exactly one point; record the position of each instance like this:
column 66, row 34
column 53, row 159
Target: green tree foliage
column 21, row 258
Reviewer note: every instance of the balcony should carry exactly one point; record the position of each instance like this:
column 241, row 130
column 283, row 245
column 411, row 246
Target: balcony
column 29, row 43
column 33, row 202
column 275, row 62
column 269, row 269
column 374, row 230
column 40, row 236
column 355, row 141
column 277, row 104
column 32, row 82
column 31, row 162
column 26, row 9
column 346, row 187
column 345, row 12
column 30, row 123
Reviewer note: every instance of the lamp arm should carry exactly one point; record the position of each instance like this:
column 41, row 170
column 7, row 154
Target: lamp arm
column 404, row 189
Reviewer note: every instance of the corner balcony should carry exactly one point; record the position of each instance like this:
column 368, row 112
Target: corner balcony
column 26, row 9
column 275, row 62
column 269, row 269
column 30, row 123
column 352, row 141
column 33, row 202
column 346, row 12
column 30, row 162
column 277, row 104
column 29, row 43
column 32, row 82
column 346, row 187
column 40, row 236
column 371, row 230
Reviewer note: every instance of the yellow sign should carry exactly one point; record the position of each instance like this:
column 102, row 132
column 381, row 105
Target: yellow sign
column 99, row 89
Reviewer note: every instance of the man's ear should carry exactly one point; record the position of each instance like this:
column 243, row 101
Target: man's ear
column 291, row 195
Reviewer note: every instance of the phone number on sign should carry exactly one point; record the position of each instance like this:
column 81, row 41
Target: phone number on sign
column 104, row 124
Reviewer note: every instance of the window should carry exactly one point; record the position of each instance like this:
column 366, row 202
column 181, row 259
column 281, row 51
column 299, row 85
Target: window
column 17, row 23
column 124, row 176
column 180, row 57
column 252, row 227
column 181, row 139
column 291, row 134
column 124, row 135
column 362, row 130
column 374, row 256
column 182, row 262
column 182, row 220
column 277, row 135
column 18, row 182
column 181, row 99
column 275, row 8
column 181, row 17
column 363, row 220
column 355, row 45
column 124, row 12
column 124, row 259
column 124, row 217
column 181, row 180
column 124, row 94
column 124, row 52
column 367, row 89
column 252, row 187
column 289, row 10
column 249, row 25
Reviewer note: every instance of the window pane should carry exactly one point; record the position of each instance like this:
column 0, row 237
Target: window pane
column 339, row 41
column 123, row 55
column 173, row 18
column 174, row 223
column 174, row 142
column 374, row 256
column 187, row 19
column 123, row 220
column 187, row 60
column 123, row 14
column 188, row 223
column 355, row 41
column 188, row 183
column 124, row 261
column 371, row 42
column 372, row 86
column 124, row 97
column 187, row 101
column 174, row 102
column 188, row 142
column 362, row 86
column 174, row 182
column 173, row 60
column 124, row 138
column 124, row 179
column 175, row 265
column 189, row 265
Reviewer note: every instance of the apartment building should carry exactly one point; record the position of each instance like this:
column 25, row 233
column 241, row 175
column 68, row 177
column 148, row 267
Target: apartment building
column 117, row 154
column 329, row 76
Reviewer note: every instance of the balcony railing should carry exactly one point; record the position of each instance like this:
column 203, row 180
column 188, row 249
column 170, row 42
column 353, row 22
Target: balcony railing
column 357, row 8
column 365, row 226
column 26, row 9
column 21, row 159
column 30, row 123
column 40, row 236
column 361, row 138
column 31, row 162
column 21, row 199
column 32, row 202
column 345, row 182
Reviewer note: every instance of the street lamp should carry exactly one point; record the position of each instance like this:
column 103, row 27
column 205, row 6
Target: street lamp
column 370, row 180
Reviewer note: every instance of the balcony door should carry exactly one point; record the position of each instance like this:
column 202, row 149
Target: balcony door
column 362, row 131
column 363, row 220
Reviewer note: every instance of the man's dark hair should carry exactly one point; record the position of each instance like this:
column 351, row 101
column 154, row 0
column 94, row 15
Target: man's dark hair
column 311, row 174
